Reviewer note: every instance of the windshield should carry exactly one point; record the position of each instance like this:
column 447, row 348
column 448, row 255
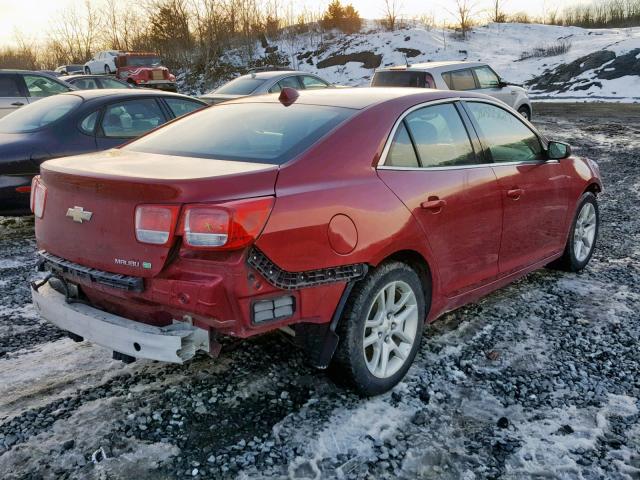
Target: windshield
column 250, row 132
column 239, row 86
column 402, row 78
column 142, row 61
column 40, row 114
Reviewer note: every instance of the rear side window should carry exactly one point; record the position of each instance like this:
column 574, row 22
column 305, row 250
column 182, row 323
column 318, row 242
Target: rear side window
column 240, row 86
column 181, row 107
column 39, row 86
column 460, row 80
column 88, row 124
column 290, row 82
column 313, row 83
column 131, row 119
column 111, row 83
column 9, row 86
column 402, row 153
column 506, row 137
column 402, row 78
column 85, row 83
column 440, row 137
column 247, row 132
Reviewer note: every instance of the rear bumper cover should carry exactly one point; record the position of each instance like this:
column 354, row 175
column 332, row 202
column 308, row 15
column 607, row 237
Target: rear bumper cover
column 174, row 343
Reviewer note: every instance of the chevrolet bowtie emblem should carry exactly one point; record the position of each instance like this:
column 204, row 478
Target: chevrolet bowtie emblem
column 79, row 215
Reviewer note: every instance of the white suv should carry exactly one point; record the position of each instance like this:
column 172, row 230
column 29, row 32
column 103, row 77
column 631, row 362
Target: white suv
column 468, row 76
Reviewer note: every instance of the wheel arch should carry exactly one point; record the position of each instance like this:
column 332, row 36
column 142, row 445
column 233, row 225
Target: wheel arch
column 420, row 265
column 593, row 187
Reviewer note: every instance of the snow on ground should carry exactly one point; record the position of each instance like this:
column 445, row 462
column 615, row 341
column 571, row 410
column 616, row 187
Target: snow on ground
column 501, row 45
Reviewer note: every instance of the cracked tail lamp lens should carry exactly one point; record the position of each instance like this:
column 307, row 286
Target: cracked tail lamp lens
column 206, row 227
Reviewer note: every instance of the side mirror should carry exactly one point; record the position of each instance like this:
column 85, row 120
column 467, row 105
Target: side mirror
column 558, row 150
column 502, row 83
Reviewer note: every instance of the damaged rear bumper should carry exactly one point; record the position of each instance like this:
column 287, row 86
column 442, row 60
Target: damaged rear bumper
column 174, row 343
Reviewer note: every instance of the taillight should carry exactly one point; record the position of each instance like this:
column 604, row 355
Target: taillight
column 225, row 226
column 38, row 197
column 156, row 224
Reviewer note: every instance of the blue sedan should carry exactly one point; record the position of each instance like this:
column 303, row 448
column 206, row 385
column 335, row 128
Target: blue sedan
column 74, row 123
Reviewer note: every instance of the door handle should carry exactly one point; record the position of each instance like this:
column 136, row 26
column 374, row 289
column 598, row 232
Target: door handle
column 515, row 193
column 17, row 104
column 433, row 203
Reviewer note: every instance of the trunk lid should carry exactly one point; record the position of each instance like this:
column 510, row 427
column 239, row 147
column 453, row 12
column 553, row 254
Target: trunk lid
column 111, row 184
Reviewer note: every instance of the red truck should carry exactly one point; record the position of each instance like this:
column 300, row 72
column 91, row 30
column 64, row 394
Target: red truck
column 144, row 69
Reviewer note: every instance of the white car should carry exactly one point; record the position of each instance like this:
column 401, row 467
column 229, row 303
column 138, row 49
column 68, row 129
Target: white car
column 466, row 76
column 102, row 62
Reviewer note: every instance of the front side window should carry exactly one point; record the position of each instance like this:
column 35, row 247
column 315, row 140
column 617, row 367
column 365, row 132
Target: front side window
column 9, row 86
column 245, row 132
column 487, row 78
column 440, row 137
column 181, row 107
column 402, row 153
column 460, row 79
column 39, row 86
column 131, row 119
column 506, row 137
column 39, row 114
column 312, row 83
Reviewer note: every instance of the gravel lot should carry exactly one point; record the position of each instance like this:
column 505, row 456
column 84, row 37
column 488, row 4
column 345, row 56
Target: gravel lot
column 539, row 380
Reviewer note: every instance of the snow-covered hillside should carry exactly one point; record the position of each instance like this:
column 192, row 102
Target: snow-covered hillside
column 350, row 59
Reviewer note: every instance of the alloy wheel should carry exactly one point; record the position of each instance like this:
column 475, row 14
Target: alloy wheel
column 390, row 329
column 584, row 232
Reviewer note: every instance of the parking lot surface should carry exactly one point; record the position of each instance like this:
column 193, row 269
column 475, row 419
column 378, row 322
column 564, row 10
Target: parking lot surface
column 538, row 380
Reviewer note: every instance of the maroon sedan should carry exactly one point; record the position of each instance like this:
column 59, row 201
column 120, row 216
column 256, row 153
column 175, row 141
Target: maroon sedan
column 346, row 217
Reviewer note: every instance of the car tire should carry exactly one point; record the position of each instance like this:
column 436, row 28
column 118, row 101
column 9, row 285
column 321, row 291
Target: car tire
column 87, row 71
column 107, row 70
column 525, row 112
column 582, row 237
column 394, row 331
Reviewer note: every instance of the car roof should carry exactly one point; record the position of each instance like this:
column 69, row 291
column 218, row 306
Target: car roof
column 360, row 97
column 272, row 74
column 124, row 93
column 28, row 72
column 433, row 66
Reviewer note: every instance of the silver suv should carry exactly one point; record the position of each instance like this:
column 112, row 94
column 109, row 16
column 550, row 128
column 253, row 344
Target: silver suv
column 467, row 76
column 260, row 83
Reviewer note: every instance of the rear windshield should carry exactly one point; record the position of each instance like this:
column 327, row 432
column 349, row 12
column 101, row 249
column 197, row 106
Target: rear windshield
column 403, row 78
column 39, row 114
column 130, row 61
column 250, row 132
column 240, row 86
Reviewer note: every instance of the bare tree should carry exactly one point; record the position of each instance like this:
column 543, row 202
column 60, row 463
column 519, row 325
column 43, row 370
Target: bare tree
column 497, row 11
column 74, row 34
column 391, row 11
column 464, row 11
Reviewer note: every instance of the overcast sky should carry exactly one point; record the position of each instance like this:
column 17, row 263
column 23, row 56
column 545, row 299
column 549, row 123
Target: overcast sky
column 31, row 17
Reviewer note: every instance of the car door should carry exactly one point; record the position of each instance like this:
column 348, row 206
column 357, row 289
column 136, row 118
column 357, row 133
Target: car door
column 123, row 121
column 12, row 94
column 434, row 166
column 534, row 190
column 461, row 80
column 489, row 83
